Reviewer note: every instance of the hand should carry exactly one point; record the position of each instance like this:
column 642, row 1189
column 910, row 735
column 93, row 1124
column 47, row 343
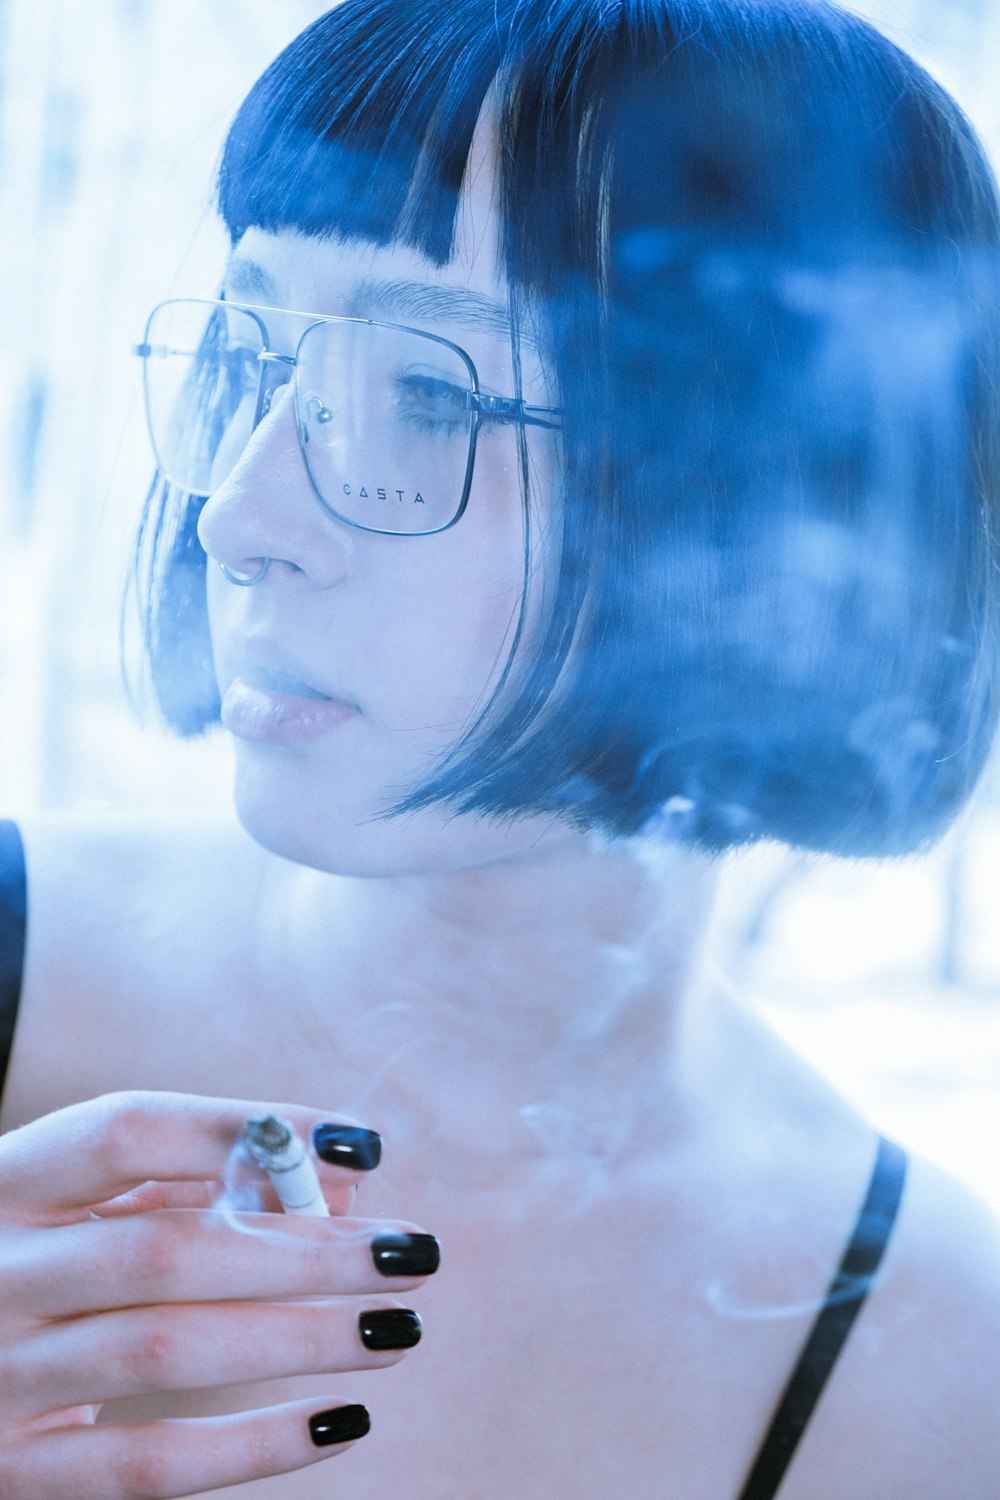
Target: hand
column 157, row 1292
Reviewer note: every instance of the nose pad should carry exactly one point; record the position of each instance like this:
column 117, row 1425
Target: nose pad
column 276, row 371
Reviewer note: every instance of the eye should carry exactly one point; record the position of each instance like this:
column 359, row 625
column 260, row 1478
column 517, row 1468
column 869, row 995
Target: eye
column 226, row 372
column 240, row 360
column 431, row 402
column 239, row 367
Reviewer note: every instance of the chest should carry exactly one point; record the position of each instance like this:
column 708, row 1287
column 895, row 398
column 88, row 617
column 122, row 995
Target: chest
column 565, row 1357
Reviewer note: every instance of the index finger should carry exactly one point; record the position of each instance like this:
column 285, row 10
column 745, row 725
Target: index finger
column 94, row 1151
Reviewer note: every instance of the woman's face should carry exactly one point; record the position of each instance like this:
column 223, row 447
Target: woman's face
column 360, row 657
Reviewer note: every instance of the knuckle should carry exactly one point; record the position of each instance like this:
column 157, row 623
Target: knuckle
column 141, row 1470
column 124, row 1119
column 313, row 1332
column 152, row 1356
column 13, row 1480
column 25, row 1381
column 11, row 1384
column 266, row 1451
column 151, row 1255
column 317, row 1266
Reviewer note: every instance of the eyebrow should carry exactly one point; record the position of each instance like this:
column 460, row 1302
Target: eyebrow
column 430, row 303
column 389, row 299
column 249, row 279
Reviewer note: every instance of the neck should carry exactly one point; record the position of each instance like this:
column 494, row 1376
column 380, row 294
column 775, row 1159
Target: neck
column 560, row 990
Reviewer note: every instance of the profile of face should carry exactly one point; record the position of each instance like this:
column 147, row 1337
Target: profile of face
column 362, row 657
column 736, row 571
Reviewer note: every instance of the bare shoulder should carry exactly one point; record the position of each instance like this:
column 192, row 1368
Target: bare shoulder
column 943, row 1279
column 126, row 918
column 98, row 883
column 910, row 1408
column 916, row 1393
column 946, row 1231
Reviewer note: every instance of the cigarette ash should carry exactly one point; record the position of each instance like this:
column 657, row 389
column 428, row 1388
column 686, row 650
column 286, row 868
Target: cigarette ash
column 267, row 1138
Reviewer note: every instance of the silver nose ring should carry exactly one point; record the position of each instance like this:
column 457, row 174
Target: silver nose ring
column 245, row 580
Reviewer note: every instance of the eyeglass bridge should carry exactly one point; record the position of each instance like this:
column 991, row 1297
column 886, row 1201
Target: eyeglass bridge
column 273, row 379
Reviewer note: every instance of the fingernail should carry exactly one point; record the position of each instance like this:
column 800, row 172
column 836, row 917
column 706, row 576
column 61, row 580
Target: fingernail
column 406, row 1254
column 348, row 1146
column 341, row 1424
column 389, row 1328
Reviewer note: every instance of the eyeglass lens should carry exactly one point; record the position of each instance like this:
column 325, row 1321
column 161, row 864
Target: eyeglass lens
column 383, row 414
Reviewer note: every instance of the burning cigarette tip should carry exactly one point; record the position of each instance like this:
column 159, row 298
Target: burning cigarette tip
column 268, row 1138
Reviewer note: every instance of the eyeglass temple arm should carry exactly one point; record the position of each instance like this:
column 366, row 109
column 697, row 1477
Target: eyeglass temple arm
column 514, row 410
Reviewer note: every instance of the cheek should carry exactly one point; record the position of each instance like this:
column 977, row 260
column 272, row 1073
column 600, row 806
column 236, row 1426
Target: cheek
column 454, row 630
column 451, row 606
column 472, row 594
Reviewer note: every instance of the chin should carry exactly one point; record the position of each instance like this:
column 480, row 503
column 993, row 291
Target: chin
column 350, row 837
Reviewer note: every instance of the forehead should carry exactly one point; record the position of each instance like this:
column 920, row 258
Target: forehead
column 331, row 274
column 358, row 279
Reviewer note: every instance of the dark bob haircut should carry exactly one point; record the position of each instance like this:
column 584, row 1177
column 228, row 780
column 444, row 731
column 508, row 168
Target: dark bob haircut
column 761, row 245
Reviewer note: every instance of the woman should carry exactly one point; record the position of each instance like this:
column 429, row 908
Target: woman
column 599, row 435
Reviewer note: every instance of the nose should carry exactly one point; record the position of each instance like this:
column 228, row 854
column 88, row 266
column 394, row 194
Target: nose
column 266, row 509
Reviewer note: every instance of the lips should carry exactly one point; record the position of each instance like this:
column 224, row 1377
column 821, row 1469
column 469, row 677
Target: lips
column 273, row 705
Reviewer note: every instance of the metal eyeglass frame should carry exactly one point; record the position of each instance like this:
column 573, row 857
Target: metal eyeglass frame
column 280, row 369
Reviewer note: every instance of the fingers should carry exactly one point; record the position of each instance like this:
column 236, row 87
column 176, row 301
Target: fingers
column 159, row 1460
column 146, row 1297
column 181, row 1255
column 184, row 1347
column 93, row 1152
column 154, row 1195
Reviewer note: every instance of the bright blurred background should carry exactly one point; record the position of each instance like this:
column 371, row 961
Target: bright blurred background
column 112, row 114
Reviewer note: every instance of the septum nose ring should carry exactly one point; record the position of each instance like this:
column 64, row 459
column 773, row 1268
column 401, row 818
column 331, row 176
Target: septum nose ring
column 245, row 580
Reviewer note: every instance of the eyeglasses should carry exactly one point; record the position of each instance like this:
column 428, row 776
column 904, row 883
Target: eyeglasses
column 387, row 416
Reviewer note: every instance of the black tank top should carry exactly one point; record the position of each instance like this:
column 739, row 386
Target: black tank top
column 13, row 905
column 841, row 1305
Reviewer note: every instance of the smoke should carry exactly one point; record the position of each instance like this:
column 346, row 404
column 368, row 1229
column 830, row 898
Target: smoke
column 847, row 1289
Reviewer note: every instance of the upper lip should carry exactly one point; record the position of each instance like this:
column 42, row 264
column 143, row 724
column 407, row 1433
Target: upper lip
column 278, row 670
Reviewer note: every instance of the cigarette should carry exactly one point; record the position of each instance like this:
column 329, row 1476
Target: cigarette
column 275, row 1147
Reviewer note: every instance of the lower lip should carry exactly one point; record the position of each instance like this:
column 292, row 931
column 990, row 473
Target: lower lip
column 266, row 717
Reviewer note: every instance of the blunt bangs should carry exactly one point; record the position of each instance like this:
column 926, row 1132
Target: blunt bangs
column 361, row 128
column 761, row 247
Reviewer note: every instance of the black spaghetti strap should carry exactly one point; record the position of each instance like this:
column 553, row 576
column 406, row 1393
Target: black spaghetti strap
column 841, row 1305
column 13, row 901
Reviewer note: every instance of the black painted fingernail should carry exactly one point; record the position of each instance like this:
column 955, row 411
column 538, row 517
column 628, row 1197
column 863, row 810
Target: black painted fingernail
column 389, row 1328
column 406, row 1254
column 341, row 1424
column 348, row 1146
